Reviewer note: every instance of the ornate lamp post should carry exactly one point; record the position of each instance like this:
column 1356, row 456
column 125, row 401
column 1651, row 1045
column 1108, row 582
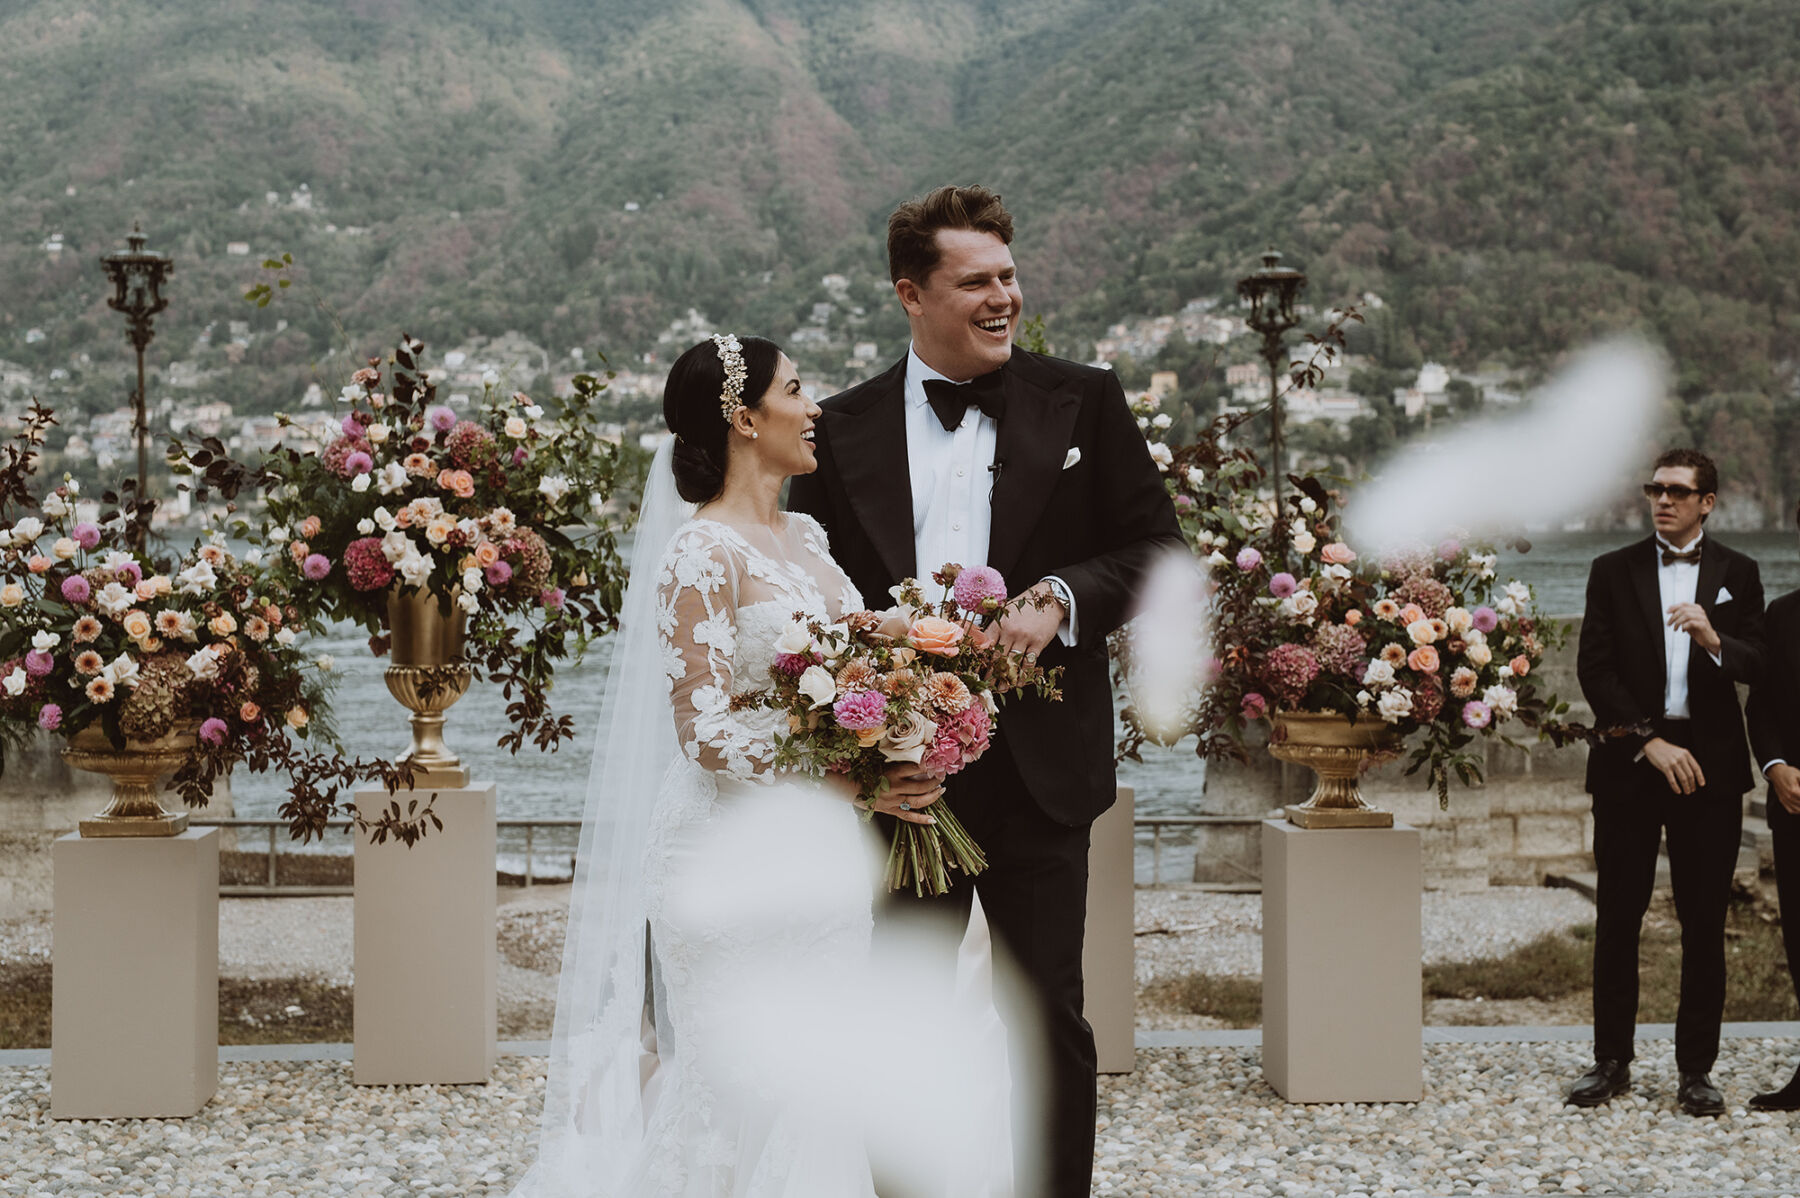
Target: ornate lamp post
column 1270, row 294
column 137, row 277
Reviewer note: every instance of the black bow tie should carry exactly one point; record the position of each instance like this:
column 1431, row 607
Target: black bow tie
column 951, row 400
column 1671, row 556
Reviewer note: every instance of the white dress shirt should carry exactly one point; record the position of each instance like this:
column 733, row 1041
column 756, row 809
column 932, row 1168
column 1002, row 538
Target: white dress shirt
column 953, row 484
column 1677, row 582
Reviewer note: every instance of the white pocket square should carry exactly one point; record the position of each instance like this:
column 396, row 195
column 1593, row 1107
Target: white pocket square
column 1724, row 596
column 1074, row 455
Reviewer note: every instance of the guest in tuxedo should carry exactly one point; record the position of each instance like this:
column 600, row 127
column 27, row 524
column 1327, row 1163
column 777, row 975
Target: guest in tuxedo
column 971, row 451
column 1774, row 717
column 1673, row 624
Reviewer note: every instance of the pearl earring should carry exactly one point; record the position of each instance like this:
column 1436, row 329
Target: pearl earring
column 753, row 434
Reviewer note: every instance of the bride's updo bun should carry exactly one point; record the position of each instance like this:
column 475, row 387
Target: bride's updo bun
column 692, row 410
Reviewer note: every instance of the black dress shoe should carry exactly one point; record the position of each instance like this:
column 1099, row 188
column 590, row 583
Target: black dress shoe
column 1604, row 1082
column 1698, row 1096
column 1785, row 1099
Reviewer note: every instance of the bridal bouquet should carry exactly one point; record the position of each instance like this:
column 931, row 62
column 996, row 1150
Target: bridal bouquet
column 915, row 683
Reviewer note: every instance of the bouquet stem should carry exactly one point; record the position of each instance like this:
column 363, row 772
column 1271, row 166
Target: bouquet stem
column 923, row 855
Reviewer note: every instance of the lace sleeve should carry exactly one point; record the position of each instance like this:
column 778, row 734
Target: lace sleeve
column 696, row 617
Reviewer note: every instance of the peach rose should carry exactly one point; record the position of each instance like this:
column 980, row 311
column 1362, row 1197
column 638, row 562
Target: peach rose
column 1337, row 554
column 136, row 625
column 296, row 717
column 1520, row 665
column 298, row 551
column 486, row 554
column 1480, row 654
column 223, row 624
column 903, row 656
column 1423, row 659
column 309, row 527
column 1412, row 613
column 38, row 563
column 146, row 590
column 1353, row 617
column 249, row 712
column 932, row 634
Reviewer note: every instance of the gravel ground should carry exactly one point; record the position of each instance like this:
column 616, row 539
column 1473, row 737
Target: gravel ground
column 1197, row 931
column 1189, row 1121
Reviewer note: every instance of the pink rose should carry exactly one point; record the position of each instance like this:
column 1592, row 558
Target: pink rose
column 1423, row 659
column 1254, row 706
column 1520, row 665
column 1477, row 714
column 932, row 634
column 1337, row 554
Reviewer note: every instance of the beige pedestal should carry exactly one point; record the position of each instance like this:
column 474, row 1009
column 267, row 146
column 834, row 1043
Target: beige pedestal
column 1108, row 957
column 1342, row 1013
column 134, row 1002
column 426, row 962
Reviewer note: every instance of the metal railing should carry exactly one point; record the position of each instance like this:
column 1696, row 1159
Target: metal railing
column 273, row 887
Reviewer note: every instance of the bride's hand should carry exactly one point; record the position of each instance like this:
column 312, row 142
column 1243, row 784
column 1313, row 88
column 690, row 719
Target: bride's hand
column 908, row 792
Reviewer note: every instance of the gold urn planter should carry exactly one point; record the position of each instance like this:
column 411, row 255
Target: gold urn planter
column 427, row 674
column 137, row 771
column 1338, row 752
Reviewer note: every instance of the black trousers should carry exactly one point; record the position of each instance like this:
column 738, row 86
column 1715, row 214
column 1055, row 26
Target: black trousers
column 1034, row 894
column 1784, row 826
column 1704, row 833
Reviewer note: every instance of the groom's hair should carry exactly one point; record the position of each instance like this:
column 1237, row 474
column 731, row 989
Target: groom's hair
column 912, row 229
column 1706, row 473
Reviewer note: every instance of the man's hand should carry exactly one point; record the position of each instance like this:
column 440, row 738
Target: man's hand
column 1676, row 764
column 910, row 789
column 1784, row 784
column 1691, row 619
column 1031, row 621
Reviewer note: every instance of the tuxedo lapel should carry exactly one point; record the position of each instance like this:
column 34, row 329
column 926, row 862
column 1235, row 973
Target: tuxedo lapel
column 869, row 443
column 1649, row 592
column 1706, row 590
column 1029, row 453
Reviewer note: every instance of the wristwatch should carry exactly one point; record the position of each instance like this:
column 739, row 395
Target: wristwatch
column 1058, row 589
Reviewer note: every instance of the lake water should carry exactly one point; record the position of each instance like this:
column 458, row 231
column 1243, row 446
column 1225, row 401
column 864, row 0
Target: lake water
column 539, row 785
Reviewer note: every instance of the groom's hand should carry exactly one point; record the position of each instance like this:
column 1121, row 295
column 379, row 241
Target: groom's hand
column 1030, row 621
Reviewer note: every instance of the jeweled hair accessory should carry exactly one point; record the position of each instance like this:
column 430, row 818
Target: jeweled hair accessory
column 731, row 357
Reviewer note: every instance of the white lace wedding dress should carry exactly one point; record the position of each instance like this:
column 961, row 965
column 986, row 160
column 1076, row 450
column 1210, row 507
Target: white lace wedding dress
column 758, row 885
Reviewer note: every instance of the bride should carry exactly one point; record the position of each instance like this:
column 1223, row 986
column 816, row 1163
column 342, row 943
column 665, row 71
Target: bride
column 718, row 1029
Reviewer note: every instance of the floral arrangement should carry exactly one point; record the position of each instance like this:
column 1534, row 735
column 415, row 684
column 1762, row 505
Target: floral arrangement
column 1428, row 641
column 94, row 634
column 499, row 513
column 916, row 683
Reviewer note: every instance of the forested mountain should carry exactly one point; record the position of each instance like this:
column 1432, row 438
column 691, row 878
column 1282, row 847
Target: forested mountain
column 1508, row 177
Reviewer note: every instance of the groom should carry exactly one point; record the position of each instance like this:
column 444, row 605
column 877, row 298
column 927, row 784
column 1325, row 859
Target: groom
column 970, row 451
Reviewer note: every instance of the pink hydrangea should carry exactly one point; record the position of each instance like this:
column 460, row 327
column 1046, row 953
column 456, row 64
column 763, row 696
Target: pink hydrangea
column 316, row 566
column 1248, row 558
column 212, row 732
column 860, row 711
column 553, row 597
column 50, row 717
column 470, row 446
column 86, row 534
column 75, row 589
column 979, row 590
column 1484, row 619
column 1340, row 649
column 959, row 740
column 1477, row 714
column 1428, row 700
column 1448, row 548
column 337, row 455
column 1431, row 595
column 791, row 665
column 519, row 455
column 525, row 552
column 1283, row 585
column 367, row 567
column 1288, row 672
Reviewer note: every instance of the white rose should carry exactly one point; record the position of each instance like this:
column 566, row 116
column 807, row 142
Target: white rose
column 415, row 568
column 1459, row 619
column 1395, row 705
column 471, row 580
column 253, row 556
column 1304, row 542
column 1162, row 420
column 1162, row 455
column 29, row 529
column 64, row 549
column 197, row 579
column 326, row 662
column 1364, row 698
column 12, row 595
column 1486, row 563
column 349, row 392
column 205, row 663
column 286, row 637
column 794, row 639
column 15, row 682
column 392, row 478
column 1502, row 699
column 278, row 534
column 43, row 642
column 1307, row 505
column 376, row 433
column 1215, row 559
column 365, row 526
column 834, row 639
column 906, row 741
column 553, row 487
column 818, row 685
column 468, row 603
column 115, row 600
column 597, row 502
column 1379, row 673
column 396, row 545
column 55, row 507
column 1196, row 477
column 470, row 528
column 384, row 519
column 360, row 483
column 122, row 671
column 534, row 411
column 489, row 377
column 1516, row 598
column 1422, row 632
column 515, row 427
column 1479, row 653
column 1302, row 604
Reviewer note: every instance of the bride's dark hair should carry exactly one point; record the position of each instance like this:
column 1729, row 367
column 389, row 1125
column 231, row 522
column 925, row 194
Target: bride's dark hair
column 692, row 412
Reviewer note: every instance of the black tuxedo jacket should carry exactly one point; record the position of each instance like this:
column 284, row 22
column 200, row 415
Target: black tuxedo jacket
column 1096, row 525
column 1620, row 661
column 1774, row 712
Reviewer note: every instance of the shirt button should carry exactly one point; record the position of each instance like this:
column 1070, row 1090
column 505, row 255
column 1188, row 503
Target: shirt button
column 960, row 472
column 956, row 526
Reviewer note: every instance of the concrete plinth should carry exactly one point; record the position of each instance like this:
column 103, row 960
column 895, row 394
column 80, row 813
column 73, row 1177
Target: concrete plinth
column 134, row 1001
column 1108, row 958
column 1342, row 1013
column 426, row 961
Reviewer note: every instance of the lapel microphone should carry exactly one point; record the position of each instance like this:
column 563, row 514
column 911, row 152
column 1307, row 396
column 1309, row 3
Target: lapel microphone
column 994, row 482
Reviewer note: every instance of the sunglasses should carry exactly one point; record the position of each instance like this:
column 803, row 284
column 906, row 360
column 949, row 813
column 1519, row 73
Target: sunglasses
column 1674, row 491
